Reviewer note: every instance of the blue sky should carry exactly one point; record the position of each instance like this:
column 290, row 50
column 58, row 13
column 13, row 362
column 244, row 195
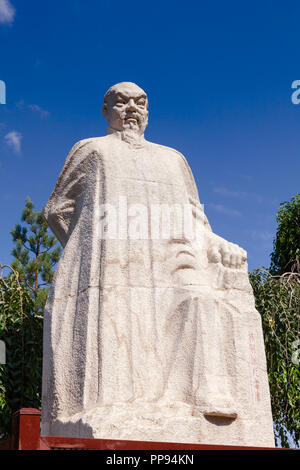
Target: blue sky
column 218, row 76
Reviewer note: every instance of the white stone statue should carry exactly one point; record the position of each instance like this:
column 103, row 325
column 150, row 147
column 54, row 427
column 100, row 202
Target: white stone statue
column 150, row 329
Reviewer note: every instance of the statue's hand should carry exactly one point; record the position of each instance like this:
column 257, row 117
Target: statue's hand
column 229, row 254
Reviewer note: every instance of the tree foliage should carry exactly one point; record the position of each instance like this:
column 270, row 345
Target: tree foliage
column 286, row 249
column 36, row 253
column 21, row 331
column 277, row 295
column 278, row 301
column 23, row 293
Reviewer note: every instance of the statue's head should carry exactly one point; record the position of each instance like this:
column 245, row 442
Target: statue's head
column 126, row 107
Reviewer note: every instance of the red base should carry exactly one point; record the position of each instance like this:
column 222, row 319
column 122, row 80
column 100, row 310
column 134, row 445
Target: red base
column 26, row 436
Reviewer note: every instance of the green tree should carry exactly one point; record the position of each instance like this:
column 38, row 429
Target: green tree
column 35, row 254
column 23, row 293
column 277, row 296
column 21, row 331
column 286, row 248
column 278, row 301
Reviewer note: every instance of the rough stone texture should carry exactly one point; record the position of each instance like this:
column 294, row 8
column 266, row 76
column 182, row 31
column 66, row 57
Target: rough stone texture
column 147, row 339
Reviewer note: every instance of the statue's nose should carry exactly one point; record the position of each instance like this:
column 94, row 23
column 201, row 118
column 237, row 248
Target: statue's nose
column 131, row 104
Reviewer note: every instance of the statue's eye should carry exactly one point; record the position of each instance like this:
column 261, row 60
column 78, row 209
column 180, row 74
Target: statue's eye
column 141, row 103
column 120, row 102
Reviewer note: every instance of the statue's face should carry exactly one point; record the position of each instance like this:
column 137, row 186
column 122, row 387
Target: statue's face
column 126, row 108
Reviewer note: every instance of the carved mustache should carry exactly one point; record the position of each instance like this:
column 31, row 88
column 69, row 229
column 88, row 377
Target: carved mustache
column 134, row 115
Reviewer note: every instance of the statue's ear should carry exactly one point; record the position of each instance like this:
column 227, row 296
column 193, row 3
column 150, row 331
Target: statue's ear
column 104, row 110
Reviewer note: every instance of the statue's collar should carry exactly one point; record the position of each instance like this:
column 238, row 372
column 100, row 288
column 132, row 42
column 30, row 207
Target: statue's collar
column 133, row 139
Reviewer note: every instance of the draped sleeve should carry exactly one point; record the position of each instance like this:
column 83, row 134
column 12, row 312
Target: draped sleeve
column 63, row 207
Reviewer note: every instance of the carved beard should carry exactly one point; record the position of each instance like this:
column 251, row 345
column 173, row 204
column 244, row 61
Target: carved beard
column 133, row 137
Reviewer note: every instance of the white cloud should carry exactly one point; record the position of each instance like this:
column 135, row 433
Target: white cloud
column 224, row 210
column 264, row 235
column 243, row 176
column 7, row 12
column 20, row 104
column 13, row 140
column 237, row 194
column 36, row 108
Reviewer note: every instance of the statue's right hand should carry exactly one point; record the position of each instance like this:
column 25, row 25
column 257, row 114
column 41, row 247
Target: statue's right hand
column 229, row 254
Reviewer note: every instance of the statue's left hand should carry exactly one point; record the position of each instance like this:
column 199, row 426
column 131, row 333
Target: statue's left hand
column 229, row 254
